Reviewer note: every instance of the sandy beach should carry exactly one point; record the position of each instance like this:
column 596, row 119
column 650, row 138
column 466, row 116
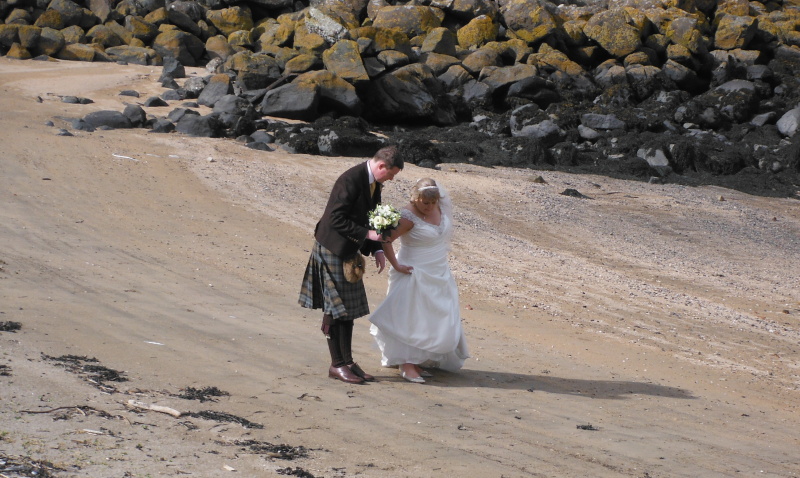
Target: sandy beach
column 645, row 330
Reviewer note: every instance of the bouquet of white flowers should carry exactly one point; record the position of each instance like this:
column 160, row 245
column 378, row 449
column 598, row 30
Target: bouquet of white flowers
column 384, row 218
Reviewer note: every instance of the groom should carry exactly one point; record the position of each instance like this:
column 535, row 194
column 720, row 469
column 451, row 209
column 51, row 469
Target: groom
column 342, row 232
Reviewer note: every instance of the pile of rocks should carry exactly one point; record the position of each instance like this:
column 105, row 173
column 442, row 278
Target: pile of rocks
column 641, row 87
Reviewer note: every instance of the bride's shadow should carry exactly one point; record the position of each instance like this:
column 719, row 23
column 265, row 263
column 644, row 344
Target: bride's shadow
column 606, row 389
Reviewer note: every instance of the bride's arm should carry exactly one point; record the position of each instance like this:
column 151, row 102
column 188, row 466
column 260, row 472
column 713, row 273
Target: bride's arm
column 402, row 228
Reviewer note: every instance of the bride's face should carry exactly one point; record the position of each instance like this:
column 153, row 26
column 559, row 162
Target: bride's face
column 426, row 206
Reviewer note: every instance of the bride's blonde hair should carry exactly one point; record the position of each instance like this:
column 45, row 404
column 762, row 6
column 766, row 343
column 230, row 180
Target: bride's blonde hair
column 425, row 188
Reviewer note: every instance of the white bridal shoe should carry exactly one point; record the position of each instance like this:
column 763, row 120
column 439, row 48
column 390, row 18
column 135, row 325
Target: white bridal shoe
column 412, row 379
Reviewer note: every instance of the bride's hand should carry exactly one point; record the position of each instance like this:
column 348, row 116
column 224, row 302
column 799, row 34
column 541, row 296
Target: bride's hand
column 404, row 269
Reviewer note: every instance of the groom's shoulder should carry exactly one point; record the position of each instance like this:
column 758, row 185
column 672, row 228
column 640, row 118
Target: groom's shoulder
column 354, row 171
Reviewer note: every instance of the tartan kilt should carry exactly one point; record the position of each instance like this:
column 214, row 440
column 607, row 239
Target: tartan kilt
column 324, row 287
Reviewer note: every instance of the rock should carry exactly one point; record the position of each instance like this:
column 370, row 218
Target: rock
column 194, row 86
column 217, row 87
column 29, row 36
column 182, row 46
column 162, row 125
column 185, row 15
column 454, row 77
column 81, row 125
column 303, row 63
column 440, row 40
column 352, row 143
column 334, row 92
column 217, row 46
column 136, row 115
column 735, row 32
column 529, row 21
column 172, row 68
column 178, row 113
column 411, row 19
column 253, row 70
column 134, row 55
column 19, row 52
column 230, row 20
column 234, row 105
column 77, row 52
column 392, row 60
column 480, row 59
column 259, row 146
column 71, row 13
column 324, row 25
column 155, row 102
column 201, row 126
column 656, row 158
column 617, row 31
column 108, row 118
column 262, row 137
column 292, row 101
column 598, row 121
column 535, row 89
column 50, row 42
column 788, row 123
column 343, row 59
column 479, row 31
column 9, row 34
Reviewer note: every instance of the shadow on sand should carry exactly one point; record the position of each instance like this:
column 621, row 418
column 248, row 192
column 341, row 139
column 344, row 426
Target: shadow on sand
column 606, row 389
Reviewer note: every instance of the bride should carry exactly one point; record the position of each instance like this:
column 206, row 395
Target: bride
column 419, row 321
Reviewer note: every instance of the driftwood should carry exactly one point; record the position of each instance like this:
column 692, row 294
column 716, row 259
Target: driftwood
column 141, row 406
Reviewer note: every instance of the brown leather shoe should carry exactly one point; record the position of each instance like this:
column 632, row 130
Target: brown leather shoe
column 358, row 371
column 344, row 374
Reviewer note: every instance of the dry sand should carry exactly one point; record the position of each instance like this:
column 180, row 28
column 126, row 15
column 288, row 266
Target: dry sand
column 647, row 331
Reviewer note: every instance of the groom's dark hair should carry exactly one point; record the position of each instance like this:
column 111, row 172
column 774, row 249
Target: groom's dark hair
column 389, row 156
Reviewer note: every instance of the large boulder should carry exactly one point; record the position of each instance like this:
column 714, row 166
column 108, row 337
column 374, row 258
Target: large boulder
column 440, row 40
column 253, row 70
column 108, row 119
column 207, row 126
column 218, row 86
column 50, row 42
column 479, row 31
column 344, row 60
column 327, row 26
column 735, row 32
column 133, row 54
column 71, row 13
column 293, row 101
column 229, row 20
column 618, row 31
column 411, row 93
column 529, row 20
column 77, row 52
column 334, row 92
column 141, row 28
column 186, row 48
column 412, row 19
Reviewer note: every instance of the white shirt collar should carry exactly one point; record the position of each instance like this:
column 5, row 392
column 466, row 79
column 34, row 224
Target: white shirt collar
column 371, row 176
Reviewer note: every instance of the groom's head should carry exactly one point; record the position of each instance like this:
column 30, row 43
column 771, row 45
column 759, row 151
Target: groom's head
column 386, row 164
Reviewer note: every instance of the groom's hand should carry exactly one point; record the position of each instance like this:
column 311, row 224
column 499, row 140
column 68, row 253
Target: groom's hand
column 380, row 261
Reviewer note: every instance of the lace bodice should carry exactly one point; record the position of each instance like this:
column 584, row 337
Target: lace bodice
column 424, row 239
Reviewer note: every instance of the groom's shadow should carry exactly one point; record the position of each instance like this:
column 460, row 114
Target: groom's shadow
column 607, row 389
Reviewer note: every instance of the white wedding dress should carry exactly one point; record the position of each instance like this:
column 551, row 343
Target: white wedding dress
column 419, row 321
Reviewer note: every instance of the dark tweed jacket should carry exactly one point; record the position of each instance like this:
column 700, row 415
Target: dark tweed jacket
column 344, row 224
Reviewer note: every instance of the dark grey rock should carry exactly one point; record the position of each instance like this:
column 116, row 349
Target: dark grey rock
column 136, row 114
column 207, row 126
column 163, row 126
column 155, row 101
column 108, row 119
